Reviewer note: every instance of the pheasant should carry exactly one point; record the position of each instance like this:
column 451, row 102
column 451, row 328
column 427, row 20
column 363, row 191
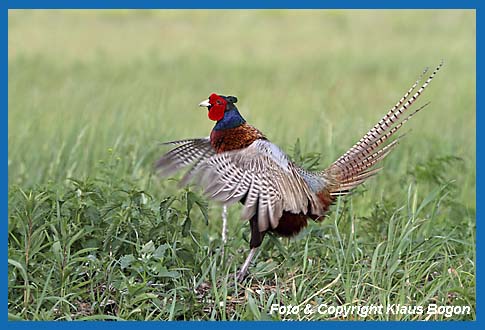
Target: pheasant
column 237, row 163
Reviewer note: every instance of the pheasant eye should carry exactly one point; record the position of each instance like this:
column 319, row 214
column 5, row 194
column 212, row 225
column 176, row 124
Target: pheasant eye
column 219, row 102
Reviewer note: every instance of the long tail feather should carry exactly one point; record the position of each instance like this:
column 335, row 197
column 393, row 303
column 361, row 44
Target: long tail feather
column 381, row 124
column 365, row 153
column 389, row 119
column 355, row 165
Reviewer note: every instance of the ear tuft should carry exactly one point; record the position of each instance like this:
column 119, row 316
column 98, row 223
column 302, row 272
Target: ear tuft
column 232, row 99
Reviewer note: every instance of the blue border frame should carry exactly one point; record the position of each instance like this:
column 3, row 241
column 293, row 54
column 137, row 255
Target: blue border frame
column 185, row 4
column 248, row 4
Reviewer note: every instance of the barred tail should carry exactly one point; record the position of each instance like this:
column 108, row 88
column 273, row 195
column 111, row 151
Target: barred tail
column 356, row 165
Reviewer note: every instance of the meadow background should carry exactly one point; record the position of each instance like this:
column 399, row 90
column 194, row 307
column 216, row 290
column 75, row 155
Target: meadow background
column 95, row 234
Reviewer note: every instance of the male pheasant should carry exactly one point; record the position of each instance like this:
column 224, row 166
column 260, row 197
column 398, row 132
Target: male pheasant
column 238, row 163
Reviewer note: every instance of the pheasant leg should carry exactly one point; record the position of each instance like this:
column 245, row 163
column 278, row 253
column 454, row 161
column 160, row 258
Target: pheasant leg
column 244, row 269
column 224, row 228
column 224, row 224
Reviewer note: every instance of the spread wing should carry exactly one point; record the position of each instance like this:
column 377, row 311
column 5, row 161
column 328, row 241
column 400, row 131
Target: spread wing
column 188, row 152
column 262, row 177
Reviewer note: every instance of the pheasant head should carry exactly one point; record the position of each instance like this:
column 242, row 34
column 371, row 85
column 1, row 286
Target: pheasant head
column 223, row 110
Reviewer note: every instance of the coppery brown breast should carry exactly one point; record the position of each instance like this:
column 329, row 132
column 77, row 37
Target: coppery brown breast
column 235, row 138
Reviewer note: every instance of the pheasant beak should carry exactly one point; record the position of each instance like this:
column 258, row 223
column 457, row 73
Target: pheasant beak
column 205, row 103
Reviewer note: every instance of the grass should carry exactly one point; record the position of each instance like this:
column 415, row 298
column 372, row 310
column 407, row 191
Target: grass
column 95, row 235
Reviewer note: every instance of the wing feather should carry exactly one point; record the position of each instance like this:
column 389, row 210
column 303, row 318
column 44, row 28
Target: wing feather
column 188, row 152
column 264, row 176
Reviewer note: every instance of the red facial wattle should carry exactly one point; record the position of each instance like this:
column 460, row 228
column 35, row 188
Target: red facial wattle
column 218, row 106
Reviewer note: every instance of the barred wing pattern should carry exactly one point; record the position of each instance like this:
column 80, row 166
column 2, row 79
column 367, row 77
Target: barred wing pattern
column 188, row 152
column 264, row 177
